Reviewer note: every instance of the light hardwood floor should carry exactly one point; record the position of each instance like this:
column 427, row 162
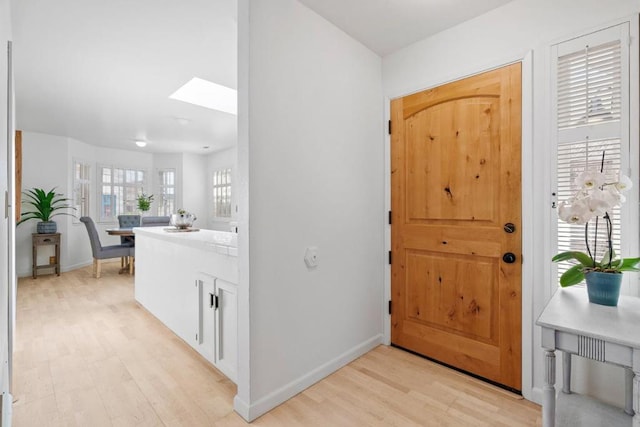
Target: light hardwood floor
column 87, row 355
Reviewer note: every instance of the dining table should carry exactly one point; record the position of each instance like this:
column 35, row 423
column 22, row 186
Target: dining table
column 124, row 232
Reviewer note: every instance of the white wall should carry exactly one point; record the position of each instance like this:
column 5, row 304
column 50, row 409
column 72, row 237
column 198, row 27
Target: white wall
column 315, row 163
column 503, row 35
column 44, row 165
column 5, row 283
column 195, row 194
column 216, row 161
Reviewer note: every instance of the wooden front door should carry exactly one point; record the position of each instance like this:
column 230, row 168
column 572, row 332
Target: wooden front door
column 456, row 224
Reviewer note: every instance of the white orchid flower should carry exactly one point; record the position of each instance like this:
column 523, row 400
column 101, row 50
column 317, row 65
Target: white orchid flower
column 589, row 180
column 576, row 213
column 601, row 201
column 615, row 194
column 624, row 183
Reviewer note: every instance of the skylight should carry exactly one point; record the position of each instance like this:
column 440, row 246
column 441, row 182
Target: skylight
column 209, row 95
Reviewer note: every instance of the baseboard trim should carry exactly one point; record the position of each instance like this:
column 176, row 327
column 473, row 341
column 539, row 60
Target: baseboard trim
column 242, row 408
column 66, row 268
column 536, row 395
column 6, row 410
column 251, row 411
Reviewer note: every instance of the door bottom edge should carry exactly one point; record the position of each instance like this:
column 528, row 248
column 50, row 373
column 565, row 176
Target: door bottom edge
column 471, row 374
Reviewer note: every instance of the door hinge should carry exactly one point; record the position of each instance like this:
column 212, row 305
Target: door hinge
column 196, row 337
column 390, row 218
column 389, row 306
column 389, row 257
column 389, row 127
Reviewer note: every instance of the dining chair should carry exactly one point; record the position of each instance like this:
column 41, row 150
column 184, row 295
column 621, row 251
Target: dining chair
column 128, row 221
column 155, row 221
column 102, row 252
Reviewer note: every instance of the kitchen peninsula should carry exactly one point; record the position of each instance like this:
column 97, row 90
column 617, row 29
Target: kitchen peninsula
column 188, row 280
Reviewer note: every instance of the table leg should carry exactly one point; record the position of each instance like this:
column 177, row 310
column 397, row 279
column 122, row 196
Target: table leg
column 34, row 261
column 58, row 259
column 549, row 390
column 566, row 372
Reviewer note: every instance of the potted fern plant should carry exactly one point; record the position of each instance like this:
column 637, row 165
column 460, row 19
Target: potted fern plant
column 144, row 202
column 595, row 198
column 44, row 206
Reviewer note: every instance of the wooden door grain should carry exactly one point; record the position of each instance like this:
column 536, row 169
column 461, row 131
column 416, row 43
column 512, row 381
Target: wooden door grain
column 455, row 187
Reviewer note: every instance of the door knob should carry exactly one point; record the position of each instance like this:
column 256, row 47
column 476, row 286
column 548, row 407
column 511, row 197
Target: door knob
column 509, row 257
column 509, row 227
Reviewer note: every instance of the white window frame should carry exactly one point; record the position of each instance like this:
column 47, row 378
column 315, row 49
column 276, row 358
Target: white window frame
column 628, row 132
column 217, row 187
column 81, row 188
column 164, row 197
column 132, row 202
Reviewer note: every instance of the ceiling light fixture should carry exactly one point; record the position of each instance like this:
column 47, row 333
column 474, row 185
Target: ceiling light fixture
column 209, row 95
column 141, row 143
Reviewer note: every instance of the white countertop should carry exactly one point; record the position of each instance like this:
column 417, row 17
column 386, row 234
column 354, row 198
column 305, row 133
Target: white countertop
column 222, row 242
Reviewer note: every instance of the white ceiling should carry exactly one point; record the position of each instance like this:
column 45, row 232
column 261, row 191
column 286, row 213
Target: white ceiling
column 386, row 26
column 102, row 71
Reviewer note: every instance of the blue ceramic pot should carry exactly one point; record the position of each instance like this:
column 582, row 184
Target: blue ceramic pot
column 603, row 288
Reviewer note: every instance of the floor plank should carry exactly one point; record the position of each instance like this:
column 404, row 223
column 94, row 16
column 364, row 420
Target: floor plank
column 86, row 354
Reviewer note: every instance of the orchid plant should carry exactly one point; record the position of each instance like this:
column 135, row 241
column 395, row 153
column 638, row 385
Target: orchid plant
column 595, row 198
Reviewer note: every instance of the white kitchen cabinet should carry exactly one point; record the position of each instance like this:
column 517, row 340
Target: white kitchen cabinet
column 216, row 331
column 227, row 328
column 187, row 280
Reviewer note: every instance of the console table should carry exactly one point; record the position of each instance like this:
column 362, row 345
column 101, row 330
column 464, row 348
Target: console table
column 38, row 239
column 572, row 324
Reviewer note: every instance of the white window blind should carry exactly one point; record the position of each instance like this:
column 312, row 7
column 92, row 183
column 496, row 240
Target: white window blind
column 167, row 179
column 81, row 189
column 590, row 83
column 222, row 193
column 118, row 191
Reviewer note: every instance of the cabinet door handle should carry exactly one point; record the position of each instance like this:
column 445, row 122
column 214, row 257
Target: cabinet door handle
column 211, row 297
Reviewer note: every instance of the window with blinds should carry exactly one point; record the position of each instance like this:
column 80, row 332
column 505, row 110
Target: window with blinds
column 589, row 85
column 118, row 190
column 222, row 193
column 590, row 92
column 81, row 189
column 167, row 191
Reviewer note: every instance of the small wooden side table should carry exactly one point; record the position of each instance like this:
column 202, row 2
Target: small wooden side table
column 44, row 240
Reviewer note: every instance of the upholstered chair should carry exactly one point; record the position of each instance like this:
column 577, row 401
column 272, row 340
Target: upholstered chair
column 155, row 221
column 128, row 221
column 102, row 252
